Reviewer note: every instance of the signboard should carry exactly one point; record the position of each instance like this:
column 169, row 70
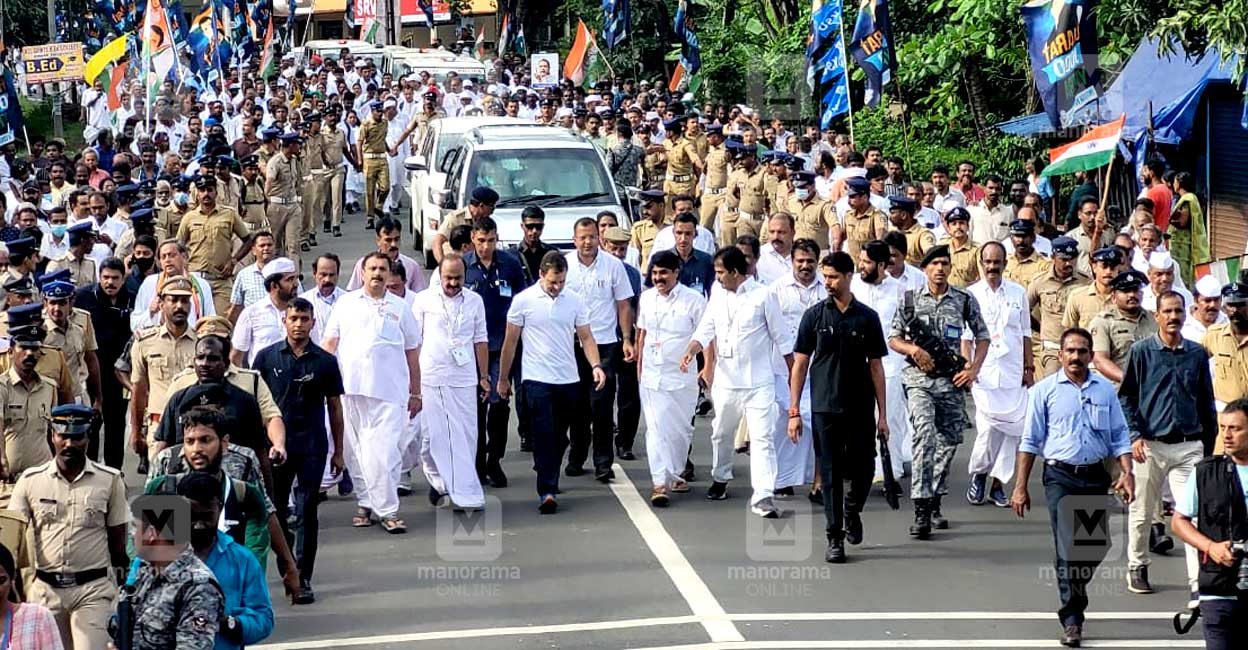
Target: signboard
column 412, row 15
column 544, row 70
column 53, row 62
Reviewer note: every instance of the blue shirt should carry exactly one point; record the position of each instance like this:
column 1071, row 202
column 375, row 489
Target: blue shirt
column 1167, row 393
column 496, row 285
column 245, row 588
column 1079, row 425
column 697, row 272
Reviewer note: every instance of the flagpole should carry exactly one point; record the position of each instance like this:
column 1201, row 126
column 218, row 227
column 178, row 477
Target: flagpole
column 849, row 100
column 602, row 55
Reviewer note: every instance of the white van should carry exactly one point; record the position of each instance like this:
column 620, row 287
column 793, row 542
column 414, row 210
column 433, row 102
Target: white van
column 401, row 62
column 332, row 49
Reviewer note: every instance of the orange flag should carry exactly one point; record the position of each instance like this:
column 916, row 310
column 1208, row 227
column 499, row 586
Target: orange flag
column 574, row 67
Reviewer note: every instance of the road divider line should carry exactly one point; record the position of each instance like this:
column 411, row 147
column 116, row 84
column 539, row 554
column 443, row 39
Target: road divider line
column 943, row 616
column 692, row 588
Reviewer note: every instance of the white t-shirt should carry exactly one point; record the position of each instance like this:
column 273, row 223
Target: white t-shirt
column 259, row 326
column 600, row 285
column 549, row 329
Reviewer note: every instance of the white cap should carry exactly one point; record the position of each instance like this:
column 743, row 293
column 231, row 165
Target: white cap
column 389, row 103
column 563, row 112
column 1209, row 287
column 589, row 99
column 1162, row 260
column 279, row 265
column 652, row 116
column 468, row 83
column 687, row 97
column 601, row 109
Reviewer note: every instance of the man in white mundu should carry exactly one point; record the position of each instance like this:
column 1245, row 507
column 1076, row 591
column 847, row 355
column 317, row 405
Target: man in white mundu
column 667, row 316
column 796, row 291
column 876, row 288
column 1000, row 392
column 744, row 321
column 382, row 392
column 453, row 370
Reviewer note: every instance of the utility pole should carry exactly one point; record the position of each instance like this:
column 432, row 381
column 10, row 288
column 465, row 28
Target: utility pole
column 58, row 126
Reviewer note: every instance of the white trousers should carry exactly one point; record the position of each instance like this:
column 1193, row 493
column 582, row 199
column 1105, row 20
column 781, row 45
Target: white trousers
column 449, row 443
column 757, row 406
column 996, row 445
column 1172, row 463
column 373, row 438
column 900, row 431
column 398, row 185
column 795, row 461
column 669, row 430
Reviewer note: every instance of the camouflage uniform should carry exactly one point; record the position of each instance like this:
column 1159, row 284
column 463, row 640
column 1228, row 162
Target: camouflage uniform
column 937, row 408
column 179, row 608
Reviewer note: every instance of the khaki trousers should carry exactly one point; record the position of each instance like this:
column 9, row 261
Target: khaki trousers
column 710, row 209
column 376, row 179
column 81, row 612
column 286, row 219
column 334, row 184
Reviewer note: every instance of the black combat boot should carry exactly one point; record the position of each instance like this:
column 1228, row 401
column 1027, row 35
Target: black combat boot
column 938, row 520
column 922, row 526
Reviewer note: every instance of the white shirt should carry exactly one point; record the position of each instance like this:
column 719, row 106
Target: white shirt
column 949, row 201
column 1149, row 303
column 885, row 298
column 549, row 327
column 50, row 249
column 1140, row 263
column 912, row 279
column 703, row 240
column 930, row 220
column 773, row 266
column 823, row 186
column 744, row 324
column 669, row 322
column 141, row 318
column 990, row 224
column 372, row 355
column 599, row 285
column 259, row 326
column 1194, row 330
column 1006, row 314
column 450, row 327
column 1043, row 245
column 794, row 299
column 322, row 308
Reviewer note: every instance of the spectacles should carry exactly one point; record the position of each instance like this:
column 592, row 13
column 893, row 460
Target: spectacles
column 534, row 226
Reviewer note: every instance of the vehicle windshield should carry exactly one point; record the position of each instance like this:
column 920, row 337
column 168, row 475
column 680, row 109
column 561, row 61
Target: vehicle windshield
column 404, row 68
column 542, row 172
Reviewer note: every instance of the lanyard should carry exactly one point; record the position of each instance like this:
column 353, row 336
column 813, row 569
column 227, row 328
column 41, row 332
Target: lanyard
column 453, row 322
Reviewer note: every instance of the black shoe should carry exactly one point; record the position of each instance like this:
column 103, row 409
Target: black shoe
column 604, row 477
column 1072, row 636
column 142, row 468
column 325, row 226
column 526, row 446
column 835, row 553
column 574, row 470
column 312, row 239
column 496, row 476
column 922, row 526
column 704, row 407
column 404, row 491
column 322, row 497
column 853, row 528
column 345, row 485
column 717, row 492
column 688, row 474
column 815, row 497
column 337, row 231
column 743, row 449
column 938, row 520
column 784, row 492
column 304, row 596
column 624, row 454
column 1158, row 541
column 305, row 247
column 548, row 506
column 483, row 479
column 1137, row 581
column 437, row 499
column 368, row 225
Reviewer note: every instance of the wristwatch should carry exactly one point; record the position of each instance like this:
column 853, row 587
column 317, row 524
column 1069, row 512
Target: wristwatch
column 596, row 366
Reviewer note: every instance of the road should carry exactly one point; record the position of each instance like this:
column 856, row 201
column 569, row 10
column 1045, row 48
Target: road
column 610, row 572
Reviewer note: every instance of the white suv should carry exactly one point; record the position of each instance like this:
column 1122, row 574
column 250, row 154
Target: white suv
column 529, row 164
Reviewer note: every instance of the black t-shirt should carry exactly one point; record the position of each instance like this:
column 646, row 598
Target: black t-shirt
column 841, row 346
column 244, row 423
column 300, row 387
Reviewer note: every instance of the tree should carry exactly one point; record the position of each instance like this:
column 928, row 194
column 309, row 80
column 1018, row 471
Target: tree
column 1205, row 25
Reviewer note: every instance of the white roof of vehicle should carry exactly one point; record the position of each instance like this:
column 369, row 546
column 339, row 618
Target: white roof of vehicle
column 465, row 124
column 529, row 135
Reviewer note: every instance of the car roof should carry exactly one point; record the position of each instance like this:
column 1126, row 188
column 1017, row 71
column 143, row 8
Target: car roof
column 507, row 136
column 462, row 125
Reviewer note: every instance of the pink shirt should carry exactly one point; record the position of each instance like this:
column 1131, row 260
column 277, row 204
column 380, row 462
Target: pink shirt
column 416, row 280
column 34, row 628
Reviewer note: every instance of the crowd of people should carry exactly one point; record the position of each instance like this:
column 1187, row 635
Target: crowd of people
column 831, row 307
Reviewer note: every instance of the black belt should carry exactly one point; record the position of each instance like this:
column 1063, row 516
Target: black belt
column 1076, row 469
column 66, row 580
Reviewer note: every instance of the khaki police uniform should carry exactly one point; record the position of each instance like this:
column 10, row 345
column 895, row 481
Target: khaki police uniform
column 285, row 211
column 644, row 232
column 210, row 237
column 334, row 142
column 228, row 192
column 814, row 219
column 655, row 165
column 27, row 407
column 81, row 271
column 1024, row 270
column 919, row 240
column 167, row 222
column 964, row 268
column 51, row 364
column 247, row 380
column 156, row 357
column 717, row 160
column 253, row 204
column 746, row 203
column 1047, row 296
column 265, row 155
column 69, row 522
column 862, row 227
column 316, row 182
column 15, row 536
column 681, row 175
column 1113, row 332
column 1087, row 246
column 74, row 341
column 1085, row 304
column 1230, row 366
column 372, row 138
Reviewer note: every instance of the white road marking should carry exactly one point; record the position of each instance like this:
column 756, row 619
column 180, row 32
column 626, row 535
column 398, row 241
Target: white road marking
column 889, row 644
column 697, row 595
column 943, row 616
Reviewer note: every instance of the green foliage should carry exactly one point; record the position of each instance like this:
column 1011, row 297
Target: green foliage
column 25, row 23
column 1210, row 24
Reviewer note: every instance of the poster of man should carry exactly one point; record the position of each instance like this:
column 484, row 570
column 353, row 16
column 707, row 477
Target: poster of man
column 544, row 68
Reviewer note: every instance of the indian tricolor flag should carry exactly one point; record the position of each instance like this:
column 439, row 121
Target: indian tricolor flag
column 1095, row 149
column 574, row 66
column 1225, row 271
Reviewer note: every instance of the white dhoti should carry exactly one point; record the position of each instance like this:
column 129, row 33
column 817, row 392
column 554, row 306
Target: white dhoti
column 413, row 449
column 669, row 430
column 795, row 461
column 328, row 479
column 1000, row 418
column 373, row 437
column 449, row 443
column 757, row 406
column 398, row 176
column 900, row 431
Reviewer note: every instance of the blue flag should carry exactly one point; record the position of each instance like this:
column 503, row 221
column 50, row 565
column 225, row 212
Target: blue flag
column 1061, row 41
column 10, row 110
column 826, row 56
column 690, row 55
column 290, row 24
column 426, row 8
column 872, row 46
column 616, row 18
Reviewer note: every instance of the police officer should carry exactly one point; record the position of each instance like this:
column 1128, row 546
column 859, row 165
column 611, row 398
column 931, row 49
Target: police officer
column 22, row 258
column 480, row 204
column 27, row 319
column 746, row 200
column 683, row 163
column 373, row 151
column 1121, row 324
column 1026, row 263
column 815, row 218
column 168, row 219
column 252, row 201
column 157, row 355
column 919, row 239
column 142, row 222
column 1047, row 295
column 227, row 182
column 209, row 231
column 1088, row 302
column 935, row 397
column 655, row 163
column 28, row 398
column 77, row 513
column 963, row 251
column 74, row 340
column 316, row 180
column 336, row 151
column 862, row 221
column 716, row 178
column 645, row 230
column 1230, row 359
column 269, row 139
column 282, row 182
column 82, row 269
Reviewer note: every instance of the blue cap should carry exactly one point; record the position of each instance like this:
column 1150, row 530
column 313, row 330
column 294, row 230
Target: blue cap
column 1022, row 227
column 651, row 196
column 62, row 275
column 794, row 163
column 288, row 138
column 715, row 129
column 58, row 290
column 957, row 213
column 1109, row 255
column 20, row 315
column 1128, row 281
column 141, row 216
column 79, row 232
column 202, row 181
column 857, row 186
column 746, row 150
column 129, row 189
column 1235, row 293
column 484, row 195
column 22, row 286
column 22, row 246
column 903, row 203
column 270, row 134
column 72, row 419
column 141, row 204
column 1065, row 247
column 803, row 178
column 212, row 121
column 674, row 124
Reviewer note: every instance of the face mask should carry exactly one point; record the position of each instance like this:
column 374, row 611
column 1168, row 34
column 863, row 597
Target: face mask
column 182, row 198
column 203, row 537
column 802, row 194
column 58, row 230
column 144, row 264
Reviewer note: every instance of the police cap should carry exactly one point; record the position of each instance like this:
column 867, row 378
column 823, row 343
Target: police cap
column 1128, row 281
column 72, row 420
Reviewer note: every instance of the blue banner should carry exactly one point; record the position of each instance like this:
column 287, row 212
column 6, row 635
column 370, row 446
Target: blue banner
column 10, row 110
column 1061, row 41
column 690, row 53
column 426, row 8
column 826, row 56
column 616, row 19
column 872, row 47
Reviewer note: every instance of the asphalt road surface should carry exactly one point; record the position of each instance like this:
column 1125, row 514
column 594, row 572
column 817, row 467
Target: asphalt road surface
column 608, row 571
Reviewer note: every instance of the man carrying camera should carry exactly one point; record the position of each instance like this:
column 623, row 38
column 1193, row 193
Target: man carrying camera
column 1211, row 516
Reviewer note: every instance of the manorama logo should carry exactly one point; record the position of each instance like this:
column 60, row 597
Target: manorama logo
column 1097, row 525
column 785, row 539
column 163, row 526
column 470, row 535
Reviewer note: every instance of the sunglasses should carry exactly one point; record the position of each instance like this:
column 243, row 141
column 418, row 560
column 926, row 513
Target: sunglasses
column 534, row 226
